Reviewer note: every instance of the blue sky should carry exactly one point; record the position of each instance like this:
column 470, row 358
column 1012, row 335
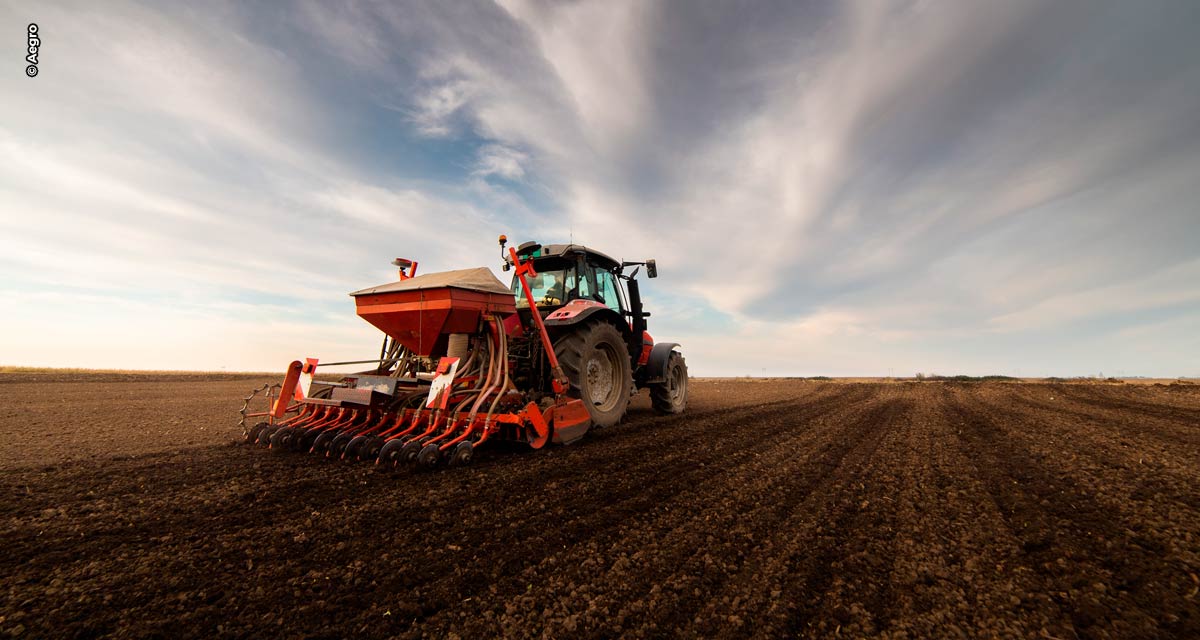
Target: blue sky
column 849, row 188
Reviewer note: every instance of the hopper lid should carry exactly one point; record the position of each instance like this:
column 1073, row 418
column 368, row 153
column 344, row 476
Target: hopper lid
column 476, row 279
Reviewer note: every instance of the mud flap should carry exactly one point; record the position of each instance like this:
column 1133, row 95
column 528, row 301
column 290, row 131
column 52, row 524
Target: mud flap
column 569, row 420
column 541, row 429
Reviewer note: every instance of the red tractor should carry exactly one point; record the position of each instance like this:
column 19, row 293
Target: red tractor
column 466, row 359
column 598, row 328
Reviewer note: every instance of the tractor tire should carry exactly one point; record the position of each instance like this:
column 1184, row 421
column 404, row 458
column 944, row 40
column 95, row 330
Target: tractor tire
column 596, row 360
column 670, row 396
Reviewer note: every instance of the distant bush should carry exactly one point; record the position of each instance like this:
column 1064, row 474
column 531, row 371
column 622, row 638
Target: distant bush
column 933, row 377
column 819, row 378
column 990, row 378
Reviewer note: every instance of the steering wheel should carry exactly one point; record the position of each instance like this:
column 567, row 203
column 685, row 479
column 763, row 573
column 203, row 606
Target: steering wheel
column 550, row 300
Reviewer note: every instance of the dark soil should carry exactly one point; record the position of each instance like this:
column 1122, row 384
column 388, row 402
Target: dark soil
column 780, row 508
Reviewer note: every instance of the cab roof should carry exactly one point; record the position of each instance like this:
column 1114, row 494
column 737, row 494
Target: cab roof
column 567, row 250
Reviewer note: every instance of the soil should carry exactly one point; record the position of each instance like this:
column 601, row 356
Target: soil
column 774, row 508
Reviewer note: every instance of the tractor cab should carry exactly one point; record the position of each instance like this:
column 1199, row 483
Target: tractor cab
column 568, row 272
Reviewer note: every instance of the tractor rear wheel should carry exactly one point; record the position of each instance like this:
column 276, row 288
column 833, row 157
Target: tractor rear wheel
column 596, row 361
column 670, row 395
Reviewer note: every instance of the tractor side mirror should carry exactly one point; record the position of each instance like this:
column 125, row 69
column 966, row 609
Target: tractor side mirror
column 651, row 269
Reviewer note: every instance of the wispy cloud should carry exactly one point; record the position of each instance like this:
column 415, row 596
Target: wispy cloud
column 501, row 161
column 843, row 187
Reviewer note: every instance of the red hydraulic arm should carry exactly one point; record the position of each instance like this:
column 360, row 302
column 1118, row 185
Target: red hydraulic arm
column 561, row 383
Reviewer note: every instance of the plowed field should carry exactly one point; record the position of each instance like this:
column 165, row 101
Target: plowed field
column 775, row 508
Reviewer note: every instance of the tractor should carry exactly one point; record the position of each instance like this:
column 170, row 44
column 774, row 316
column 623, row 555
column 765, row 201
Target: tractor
column 466, row 359
column 598, row 329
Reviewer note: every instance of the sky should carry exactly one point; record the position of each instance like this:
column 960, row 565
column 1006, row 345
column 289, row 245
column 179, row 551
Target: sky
column 829, row 188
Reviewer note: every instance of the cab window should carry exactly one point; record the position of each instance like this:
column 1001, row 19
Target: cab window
column 606, row 283
column 550, row 287
column 587, row 287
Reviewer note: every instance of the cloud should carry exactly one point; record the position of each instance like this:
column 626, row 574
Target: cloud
column 434, row 109
column 845, row 187
column 501, row 161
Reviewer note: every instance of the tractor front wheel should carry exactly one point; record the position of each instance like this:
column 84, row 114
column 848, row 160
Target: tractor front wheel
column 596, row 361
